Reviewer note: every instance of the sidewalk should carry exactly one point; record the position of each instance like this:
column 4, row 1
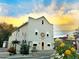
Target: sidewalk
column 35, row 55
column 4, row 55
column 28, row 57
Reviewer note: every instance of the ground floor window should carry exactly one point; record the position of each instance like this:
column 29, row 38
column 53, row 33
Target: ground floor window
column 48, row 45
column 34, row 44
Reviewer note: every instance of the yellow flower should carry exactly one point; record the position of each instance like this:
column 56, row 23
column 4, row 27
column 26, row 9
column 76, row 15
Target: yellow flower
column 58, row 40
column 73, row 49
column 62, row 44
column 67, row 52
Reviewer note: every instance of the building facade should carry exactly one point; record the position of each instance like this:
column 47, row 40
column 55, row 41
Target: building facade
column 37, row 32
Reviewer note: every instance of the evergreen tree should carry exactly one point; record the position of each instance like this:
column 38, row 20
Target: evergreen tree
column 24, row 48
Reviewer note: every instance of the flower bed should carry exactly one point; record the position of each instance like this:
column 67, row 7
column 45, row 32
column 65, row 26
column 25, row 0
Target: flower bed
column 64, row 50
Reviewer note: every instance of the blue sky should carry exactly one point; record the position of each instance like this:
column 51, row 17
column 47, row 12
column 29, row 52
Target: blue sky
column 15, row 8
column 21, row 7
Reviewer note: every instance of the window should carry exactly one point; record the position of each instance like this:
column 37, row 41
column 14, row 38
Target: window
column 34, row 44
column 47, row 35
column 48, row 45
column 36, row 33
column 42, row 34
column 42, row 22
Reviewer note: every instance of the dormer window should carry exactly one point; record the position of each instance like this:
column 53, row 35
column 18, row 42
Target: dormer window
column 42, row 22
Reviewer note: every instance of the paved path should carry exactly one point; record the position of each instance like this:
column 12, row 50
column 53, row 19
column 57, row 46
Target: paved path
column 3, row 49
column 3, row 53
column 18, row 56
column 29, row 57
column 36, row 55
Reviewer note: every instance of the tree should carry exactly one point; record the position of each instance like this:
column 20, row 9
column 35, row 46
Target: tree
column 5, row 32
column 24, row 48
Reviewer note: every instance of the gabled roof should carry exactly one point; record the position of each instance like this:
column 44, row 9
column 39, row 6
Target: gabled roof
column 34, row 19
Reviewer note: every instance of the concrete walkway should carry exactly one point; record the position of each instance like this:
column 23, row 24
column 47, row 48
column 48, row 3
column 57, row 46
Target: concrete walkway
column 44, row 54
column 5, row 55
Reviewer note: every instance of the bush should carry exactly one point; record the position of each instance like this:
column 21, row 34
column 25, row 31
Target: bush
column 65, row 50
column 24, row 49
column 12, row 50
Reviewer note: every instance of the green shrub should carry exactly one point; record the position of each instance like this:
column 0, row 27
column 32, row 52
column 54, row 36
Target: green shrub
column 24, row 48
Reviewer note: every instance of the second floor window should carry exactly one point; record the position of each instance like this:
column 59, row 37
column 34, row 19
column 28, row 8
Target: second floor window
column 36, row 33
column 47, row 35
column 42, row 22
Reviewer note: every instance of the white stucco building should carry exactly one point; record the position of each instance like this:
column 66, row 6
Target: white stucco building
column 38, row 32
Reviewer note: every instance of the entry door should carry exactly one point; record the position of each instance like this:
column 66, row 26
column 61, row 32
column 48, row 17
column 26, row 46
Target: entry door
column 42, row 34
column 42, row 44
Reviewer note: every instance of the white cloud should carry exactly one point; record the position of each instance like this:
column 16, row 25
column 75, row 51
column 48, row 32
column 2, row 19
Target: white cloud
column 75, row 6
column 3, row 9
column 38, row 10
